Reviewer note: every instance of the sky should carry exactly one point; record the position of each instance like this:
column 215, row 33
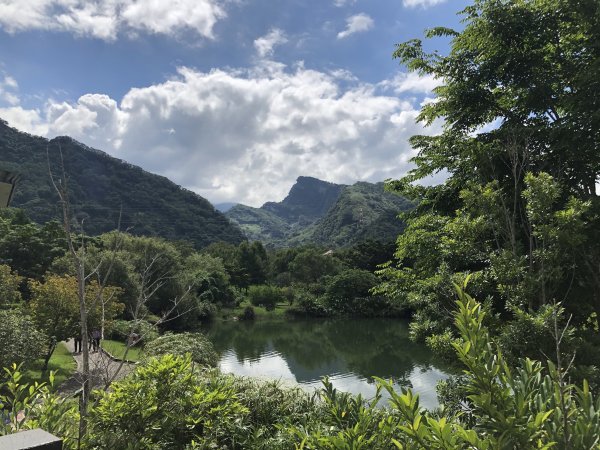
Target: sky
column 233, row 99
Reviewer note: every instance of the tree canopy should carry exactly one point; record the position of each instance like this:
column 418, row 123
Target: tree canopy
column 519, row 102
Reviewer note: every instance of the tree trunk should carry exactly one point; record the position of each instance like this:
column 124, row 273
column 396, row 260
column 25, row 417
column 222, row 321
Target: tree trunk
column 48, row 356
column 86, row 388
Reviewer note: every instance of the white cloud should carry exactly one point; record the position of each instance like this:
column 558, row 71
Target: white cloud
column 356, row 24
column 411, row 82
column 8, row 91
column 421, row 3
column 264, row 45
column 340, row 3
column 28, row 120
column 243, row 135
column 104, row 19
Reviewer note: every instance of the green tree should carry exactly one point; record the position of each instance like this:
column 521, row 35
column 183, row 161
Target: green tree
column 349, row 291
column 9, row 286
column 54, row 307
column 229, row 255
column 519, row 207
column 309, row 265
column 29, row 249
column 22, row 342
column 253, row 261
column 265, row 295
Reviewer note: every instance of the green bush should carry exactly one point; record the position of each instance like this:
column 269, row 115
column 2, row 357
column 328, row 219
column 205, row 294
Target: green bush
column 195, row 344
column 265, row 295
column 120, row 330
column 34, row 405
column 162, row 405
column 307, row 304
column 20, row 339
column 248, row 314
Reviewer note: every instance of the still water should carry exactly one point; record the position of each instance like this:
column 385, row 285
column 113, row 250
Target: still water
column 348, row 351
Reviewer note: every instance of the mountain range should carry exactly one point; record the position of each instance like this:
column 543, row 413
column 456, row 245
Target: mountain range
column 107, row 193
column 103, row 188
column 323, row 213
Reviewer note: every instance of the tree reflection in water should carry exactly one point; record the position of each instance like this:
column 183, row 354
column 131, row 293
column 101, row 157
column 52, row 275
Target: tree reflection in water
column 349, row 351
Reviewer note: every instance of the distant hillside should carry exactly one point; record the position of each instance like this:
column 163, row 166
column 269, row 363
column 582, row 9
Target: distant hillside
column 363, row 211
column 324, row 213
column 101, row 186
column 224, row 207
column 259, row 224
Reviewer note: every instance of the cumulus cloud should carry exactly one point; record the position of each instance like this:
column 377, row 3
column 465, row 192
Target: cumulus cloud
column 8, row 91
column 411, row 82
column 421, row 3
column 264, row 45
column 244, row 135
column 356, row 24
column 104, row 19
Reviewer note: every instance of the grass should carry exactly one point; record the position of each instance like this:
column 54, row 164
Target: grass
column 117, row 349
column 260, row 312
column 61, row 362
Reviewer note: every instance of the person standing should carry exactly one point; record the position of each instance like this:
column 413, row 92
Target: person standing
column 96, row 340
column 78, row 341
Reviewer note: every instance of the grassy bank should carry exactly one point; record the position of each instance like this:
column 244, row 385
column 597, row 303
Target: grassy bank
column 61, row 362
column 260, row 313
column 117, row 349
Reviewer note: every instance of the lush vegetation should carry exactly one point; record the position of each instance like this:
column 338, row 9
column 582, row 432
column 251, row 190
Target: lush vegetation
column 327, row 214
column 520, row 209
column 168, row 403
column 518, row 216
column 196, row 345
column 108, row 193
column 120, row 350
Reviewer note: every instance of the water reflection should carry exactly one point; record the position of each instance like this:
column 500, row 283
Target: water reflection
column 349, row 351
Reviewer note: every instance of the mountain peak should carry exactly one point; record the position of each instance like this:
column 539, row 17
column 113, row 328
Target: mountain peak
column 324, row 213
column 308, row 199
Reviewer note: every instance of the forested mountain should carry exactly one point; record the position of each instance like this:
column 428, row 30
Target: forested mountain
column 318, row 212
column 363, row 211
column 102, row 187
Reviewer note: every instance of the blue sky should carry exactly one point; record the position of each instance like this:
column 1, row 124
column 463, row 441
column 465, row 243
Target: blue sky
column 231, row 98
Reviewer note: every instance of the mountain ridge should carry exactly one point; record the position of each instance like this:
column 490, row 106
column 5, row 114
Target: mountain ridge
column 107, row 191
column 341, row 216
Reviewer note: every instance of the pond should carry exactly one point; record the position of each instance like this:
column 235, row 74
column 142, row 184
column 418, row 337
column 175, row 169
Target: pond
column 348, row 351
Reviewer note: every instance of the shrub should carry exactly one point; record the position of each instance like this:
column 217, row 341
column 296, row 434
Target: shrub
column 196, row 344
column 248, row 314
column 20, row 339
column 264, row 295
column 163, row 405
column 30, row 406
column 307, row 304
column 120, row 330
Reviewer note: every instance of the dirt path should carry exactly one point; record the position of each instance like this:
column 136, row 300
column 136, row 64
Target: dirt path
column 102, row 368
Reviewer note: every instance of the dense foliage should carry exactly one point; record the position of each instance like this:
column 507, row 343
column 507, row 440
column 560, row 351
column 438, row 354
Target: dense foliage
column 22, row 341
column 167, row 403
column 197, row 345
column 520, row 144
column 321, row 213
column 108, row 193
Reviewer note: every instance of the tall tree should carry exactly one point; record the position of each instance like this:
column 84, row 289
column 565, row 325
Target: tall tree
column 521, row 146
